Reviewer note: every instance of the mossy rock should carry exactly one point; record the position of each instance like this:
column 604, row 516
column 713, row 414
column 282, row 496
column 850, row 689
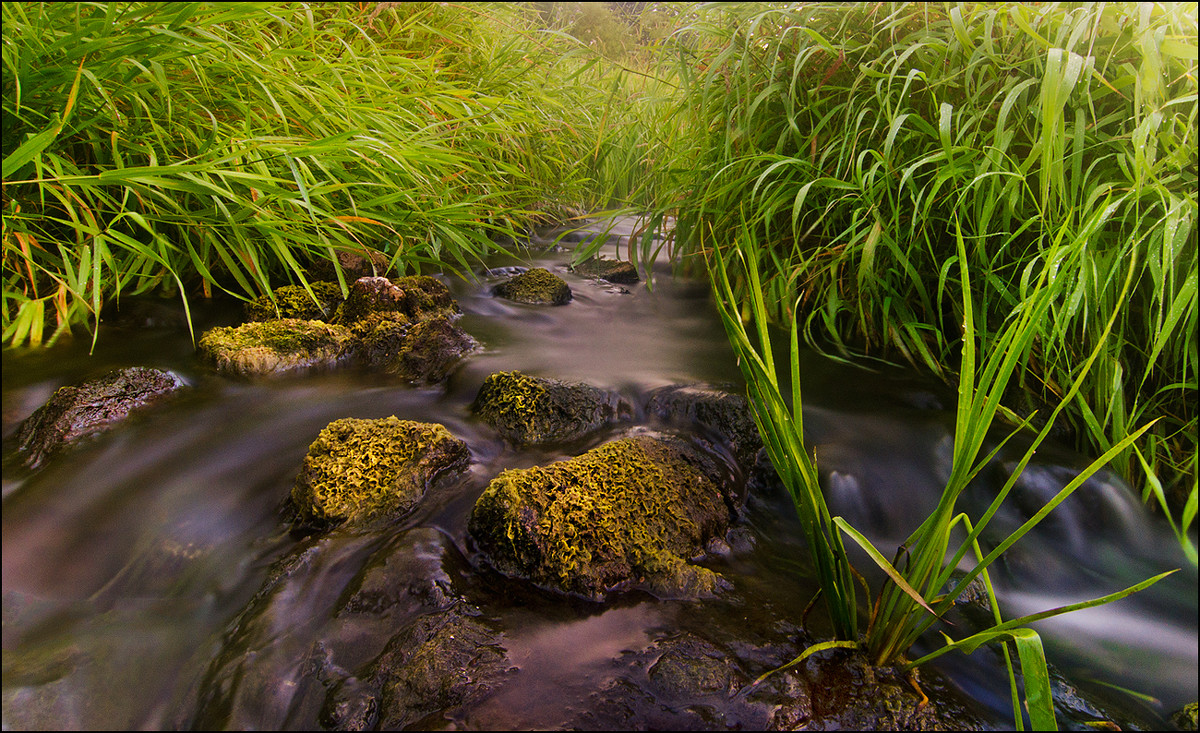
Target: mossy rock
column 537, row 286
column 354, row 265
column 76, row 412
column 631, row 512
column 1185, row 717
column 425, row 351
column 273, row 347
column 293, row 301
column 405, row 300
column 614, row 271
column 534, row 410
column 362, row 469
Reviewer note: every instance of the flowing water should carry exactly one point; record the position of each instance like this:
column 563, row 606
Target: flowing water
column 101, row 631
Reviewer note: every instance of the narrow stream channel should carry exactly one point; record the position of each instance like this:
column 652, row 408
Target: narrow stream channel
column 98, row 634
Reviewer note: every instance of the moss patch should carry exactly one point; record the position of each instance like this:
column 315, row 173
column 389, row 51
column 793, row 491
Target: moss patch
column 405, row 300
column 360, row 469
column 532, row 410
column 293, row 301
column 629, row 512
column 267, row 347
column 538, row 286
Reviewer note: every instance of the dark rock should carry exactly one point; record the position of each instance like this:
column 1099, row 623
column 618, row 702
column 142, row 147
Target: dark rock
column 354, row 265
column 362, row 469
column 76, row 412
column 724, row 413
column 425, row 351
column 538, row 286
column 533, row 410
column 629, row 513
column 614, row 271
column 439, row 663
column 293, row 301
column 274, row 347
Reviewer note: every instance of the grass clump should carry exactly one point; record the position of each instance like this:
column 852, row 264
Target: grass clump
column 191, row 149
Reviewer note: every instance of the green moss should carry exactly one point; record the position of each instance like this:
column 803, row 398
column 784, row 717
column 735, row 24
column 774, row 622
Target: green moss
column 359, row 469
column 538, row 286
column 293, row 301
column 268, row 347
column 532, row 410
column 405, row 300
column 628, row 512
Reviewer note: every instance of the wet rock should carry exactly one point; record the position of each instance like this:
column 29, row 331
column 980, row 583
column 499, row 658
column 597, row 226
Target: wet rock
column 425, row 351
column 839, row 690
column 614, row 271
column 631, row 512
column 76, row 412
column 1185, row 717
column 361, row 469
column 354, row 265
column 403, row 300
column 691, row 668
column 533, row 410
column 274, row 347
column 537, row 286
column 440, row 663
column 293, row 301
column 724, row 413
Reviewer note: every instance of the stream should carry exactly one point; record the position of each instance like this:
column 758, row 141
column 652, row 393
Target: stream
column 97, row 634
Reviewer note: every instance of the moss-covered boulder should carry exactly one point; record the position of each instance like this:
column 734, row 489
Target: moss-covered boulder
column 425, row 351
column 354, row 265
column 405, row 300
column 631, row 512
column 362, row 469
column 602, row 268
column 537, row 286
column 272, row 347
column 293, row 301
column 530, row 410
column 78, row 411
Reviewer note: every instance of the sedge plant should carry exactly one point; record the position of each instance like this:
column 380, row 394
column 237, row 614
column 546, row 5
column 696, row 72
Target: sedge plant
column 914, row 596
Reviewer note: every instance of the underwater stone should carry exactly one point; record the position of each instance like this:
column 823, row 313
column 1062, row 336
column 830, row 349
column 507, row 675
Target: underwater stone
column 75, row 412
column 614, row 271
column 534, row 410
column 629, row 513
column 537, row 286
column 293, row 301
column 361, row 469
column 272, row 347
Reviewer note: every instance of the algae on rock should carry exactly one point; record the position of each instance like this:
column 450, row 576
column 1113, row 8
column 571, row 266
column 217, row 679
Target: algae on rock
column 268, row 347
column 293, row 301
column 534, row 410
column 361, row 469
column 631, row 512
column 537, row 286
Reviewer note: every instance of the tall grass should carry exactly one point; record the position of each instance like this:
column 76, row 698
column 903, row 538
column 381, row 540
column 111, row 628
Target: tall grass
column 849, row 138
column 191, row 148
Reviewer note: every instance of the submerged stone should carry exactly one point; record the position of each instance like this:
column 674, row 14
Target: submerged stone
column 271, row 347
column 614, row 271
column 79, row 411
column 534, row 410
column 537, row 286
column 293, row 301
column 631, row 512
column 724, row 413
column 361, row 469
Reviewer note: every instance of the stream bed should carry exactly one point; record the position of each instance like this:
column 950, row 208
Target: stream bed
column 100, row 632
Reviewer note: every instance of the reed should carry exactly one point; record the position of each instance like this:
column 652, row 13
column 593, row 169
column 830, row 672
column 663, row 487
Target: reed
column 852, row 140
column 190, row 148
